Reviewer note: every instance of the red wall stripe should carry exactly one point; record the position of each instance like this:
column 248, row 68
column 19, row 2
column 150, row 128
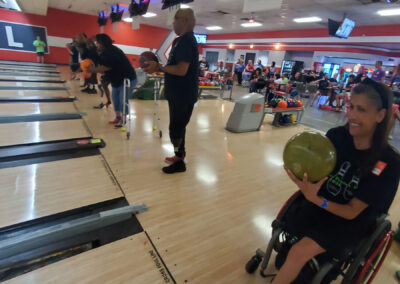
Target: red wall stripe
column 322, row 48
column 383, row 30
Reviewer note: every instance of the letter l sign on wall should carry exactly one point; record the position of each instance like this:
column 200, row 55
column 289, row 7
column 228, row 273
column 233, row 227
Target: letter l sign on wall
column 10, row 38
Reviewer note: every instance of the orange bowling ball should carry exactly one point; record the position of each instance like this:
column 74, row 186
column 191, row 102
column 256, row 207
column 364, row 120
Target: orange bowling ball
column 282, row 104
column 85, row 64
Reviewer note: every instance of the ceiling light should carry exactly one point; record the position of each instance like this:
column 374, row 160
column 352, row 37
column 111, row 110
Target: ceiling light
column 231, row 45
column 389, row 12
column 184, row 6
column 149, row 15
column 251, row 25
column 277, row 46
column 251, row 45
column 127, row 19
column 307, row 20
column 214, row 28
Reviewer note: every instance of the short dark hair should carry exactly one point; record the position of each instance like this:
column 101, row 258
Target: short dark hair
column 104, row 40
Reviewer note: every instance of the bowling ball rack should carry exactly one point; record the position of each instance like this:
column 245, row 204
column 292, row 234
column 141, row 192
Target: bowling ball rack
column 278, row 112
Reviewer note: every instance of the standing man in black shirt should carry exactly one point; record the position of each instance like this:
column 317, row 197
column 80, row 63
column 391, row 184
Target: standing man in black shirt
column 203, row 64
column 181, row 84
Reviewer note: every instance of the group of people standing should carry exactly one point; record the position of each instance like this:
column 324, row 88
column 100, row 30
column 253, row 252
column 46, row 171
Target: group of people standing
column 111, row 63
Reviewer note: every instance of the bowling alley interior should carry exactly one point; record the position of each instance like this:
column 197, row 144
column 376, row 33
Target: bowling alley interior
column 273, row 157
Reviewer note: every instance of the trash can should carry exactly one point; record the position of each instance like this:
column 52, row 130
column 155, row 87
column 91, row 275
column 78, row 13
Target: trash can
column 248, row 114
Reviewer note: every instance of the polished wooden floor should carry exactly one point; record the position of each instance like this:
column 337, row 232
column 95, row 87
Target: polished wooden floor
column 38, row 190
column 28, row 77
column 207, row 222
column 41, row 131
column 34, row 93
column 30, row 84
column 36, row 108
column 130, row 260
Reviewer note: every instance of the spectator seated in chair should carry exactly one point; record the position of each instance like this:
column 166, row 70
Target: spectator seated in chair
column 258, row 81
column 294, row 80
column 323, row 88
column 344, row 96
column 282, row 82
column 248, row 71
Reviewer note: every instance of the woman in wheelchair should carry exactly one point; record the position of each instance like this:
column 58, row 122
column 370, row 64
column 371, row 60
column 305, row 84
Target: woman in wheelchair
column 338, row 211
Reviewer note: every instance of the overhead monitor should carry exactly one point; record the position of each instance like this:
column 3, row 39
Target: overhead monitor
column 201, row 39
column 345, row 28
column 340, row 29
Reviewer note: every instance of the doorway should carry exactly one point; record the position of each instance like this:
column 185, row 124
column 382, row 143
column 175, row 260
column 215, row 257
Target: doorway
column 250, row 56
column 212, row 59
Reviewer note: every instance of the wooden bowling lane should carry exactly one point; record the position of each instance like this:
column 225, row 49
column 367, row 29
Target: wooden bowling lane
column 27, row 63
column 34, row 93
column 27, row 68
column 26, row 84
column 20, row 77
column 36, row 108
column 129, row 260
column 41, row 131
column 33, row 191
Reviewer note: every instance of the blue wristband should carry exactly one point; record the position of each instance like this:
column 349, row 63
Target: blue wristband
column 324, row 204
column 162, row 68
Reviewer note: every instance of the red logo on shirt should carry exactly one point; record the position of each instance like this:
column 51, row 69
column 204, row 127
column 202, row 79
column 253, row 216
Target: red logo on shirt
column 379, row 167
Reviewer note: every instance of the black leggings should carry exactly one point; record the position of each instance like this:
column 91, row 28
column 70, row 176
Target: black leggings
column 239, row 77
column 179, row 117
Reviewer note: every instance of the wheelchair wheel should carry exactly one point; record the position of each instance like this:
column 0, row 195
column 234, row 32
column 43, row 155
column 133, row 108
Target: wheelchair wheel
column 375, row 259
column 253, row 264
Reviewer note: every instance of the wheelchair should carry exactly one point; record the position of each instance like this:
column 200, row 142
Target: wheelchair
column 356, row 265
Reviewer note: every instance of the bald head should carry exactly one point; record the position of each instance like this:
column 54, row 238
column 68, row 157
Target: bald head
column 184, row 21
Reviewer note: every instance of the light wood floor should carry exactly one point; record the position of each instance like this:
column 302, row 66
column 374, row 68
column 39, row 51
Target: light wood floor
column 30, row 84
column 130, row 260
column 41, row 131
column 27, row 77
column 34, row 93
column 206, row 223
column 37, row 190
column 36, row 108
column 26, row 69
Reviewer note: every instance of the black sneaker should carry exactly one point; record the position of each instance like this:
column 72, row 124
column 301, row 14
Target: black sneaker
column 86, row 90
column 92, row 91
column 176, row 167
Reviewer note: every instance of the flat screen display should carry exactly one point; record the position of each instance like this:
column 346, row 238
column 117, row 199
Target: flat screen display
column 345, row 28
column 201, row 39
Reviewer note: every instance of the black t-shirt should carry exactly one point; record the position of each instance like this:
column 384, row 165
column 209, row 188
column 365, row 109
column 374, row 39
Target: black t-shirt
column 74, row 57
column 183, row 89
column 323, row 85
column 121, row 68
column 349, row 85
column 203, row 64
column 376, row 188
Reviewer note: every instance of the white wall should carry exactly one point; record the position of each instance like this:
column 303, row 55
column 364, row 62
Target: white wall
column 278, row 56
column 221, row 53
column 263, row 56
column 362, row 56
column 305, row 56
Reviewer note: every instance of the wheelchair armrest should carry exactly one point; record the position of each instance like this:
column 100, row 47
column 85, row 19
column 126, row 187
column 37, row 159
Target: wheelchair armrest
column 295, row 196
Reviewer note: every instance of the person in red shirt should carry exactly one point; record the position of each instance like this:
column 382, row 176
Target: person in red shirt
column 249, row 67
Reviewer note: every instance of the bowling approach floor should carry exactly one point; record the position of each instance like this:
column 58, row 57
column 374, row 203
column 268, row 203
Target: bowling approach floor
column 205, row 223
